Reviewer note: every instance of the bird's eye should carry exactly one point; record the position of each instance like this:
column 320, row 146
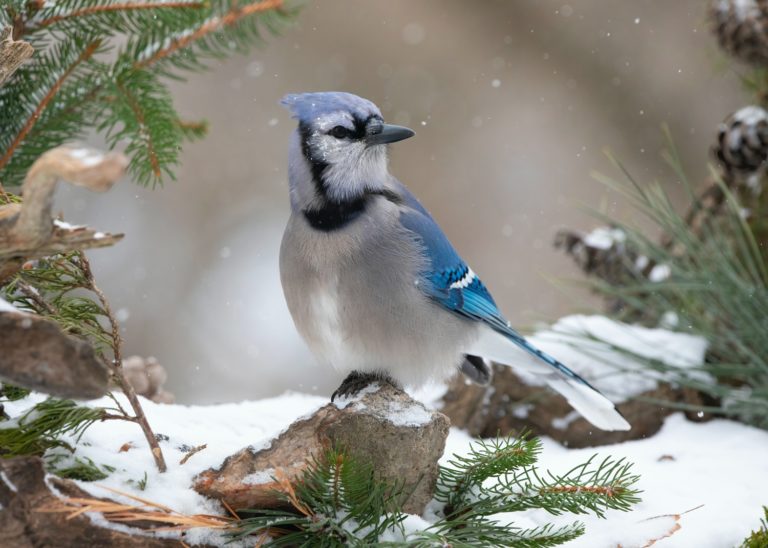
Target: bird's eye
column 339, row 132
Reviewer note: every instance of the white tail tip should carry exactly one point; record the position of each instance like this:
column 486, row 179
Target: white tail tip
column 591, row 404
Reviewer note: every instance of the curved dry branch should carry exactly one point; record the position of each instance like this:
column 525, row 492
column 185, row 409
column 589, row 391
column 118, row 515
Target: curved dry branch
column 12, row 54
column 28, row 231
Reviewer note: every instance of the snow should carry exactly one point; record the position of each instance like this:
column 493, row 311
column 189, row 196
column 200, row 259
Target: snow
column 703, row 483
column 8, row 482
column 342, row 402
column 681, row 468
column 65, row 225
column 411, row 415
column 5, row 306
column 719, row 464
column 87, row 157
column 659, row 273
column 396, row 413
column 259, row 478
column 225, row 428
column 750, row 115
column 604, row 237
column 609, row 363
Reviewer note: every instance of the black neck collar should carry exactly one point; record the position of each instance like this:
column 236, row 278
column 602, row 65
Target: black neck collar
column 330, row 214
column 335, row 215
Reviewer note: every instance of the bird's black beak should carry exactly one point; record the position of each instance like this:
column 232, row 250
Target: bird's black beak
column 389, row 134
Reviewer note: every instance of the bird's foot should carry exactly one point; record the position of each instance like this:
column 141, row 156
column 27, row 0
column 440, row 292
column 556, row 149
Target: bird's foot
column 356, row 381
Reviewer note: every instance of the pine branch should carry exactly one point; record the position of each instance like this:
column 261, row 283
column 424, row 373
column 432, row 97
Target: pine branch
column 123, row 7
column 126, row 97
column 86, row 54
column 42, row 426
column 485, row 460
column 193, row 130
column 216, row 23
column 716, row 287
column 338, row 502
column 59, row 276
column 516, row 485
column 138, row 112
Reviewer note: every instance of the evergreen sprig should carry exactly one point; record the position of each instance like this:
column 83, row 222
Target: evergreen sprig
column 103, row 64
column 486, row 459
column 717, row 288
column 9, row 392
column 56, row 287
column 339, row 502
column 80, row 469
column 41, row 427
column 63, row 289
column 758, row 538
column 499, row 476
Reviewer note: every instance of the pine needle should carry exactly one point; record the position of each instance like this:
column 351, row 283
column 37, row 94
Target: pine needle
column 148, row 511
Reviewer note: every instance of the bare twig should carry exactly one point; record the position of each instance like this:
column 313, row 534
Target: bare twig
column 28, row 231
column 121, row 417
column 35, row 296
column 672, row 530
column 191, row 452
column 118, row 404
column 117, row 367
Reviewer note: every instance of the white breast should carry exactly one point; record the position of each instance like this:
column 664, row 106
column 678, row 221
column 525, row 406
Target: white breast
column 328, row 332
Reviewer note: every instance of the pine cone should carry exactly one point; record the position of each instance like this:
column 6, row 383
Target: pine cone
column 147, row 377
column 741, row 27
column 742, row 142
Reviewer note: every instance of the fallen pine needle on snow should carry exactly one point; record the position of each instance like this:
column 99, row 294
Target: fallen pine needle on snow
column 127, row 446
column 675, row 526
column 192, row 452
column 147, row 511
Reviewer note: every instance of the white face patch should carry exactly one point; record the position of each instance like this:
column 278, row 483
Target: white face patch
column 352, row 167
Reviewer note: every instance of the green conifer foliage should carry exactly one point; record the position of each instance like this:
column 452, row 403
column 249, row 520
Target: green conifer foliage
column 339, row 502
column 104, row 64
column 759, row 538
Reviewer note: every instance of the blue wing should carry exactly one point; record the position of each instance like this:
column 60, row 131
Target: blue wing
column 451, row 283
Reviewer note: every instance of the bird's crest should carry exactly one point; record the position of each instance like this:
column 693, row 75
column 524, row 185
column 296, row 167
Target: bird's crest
column 309, row 106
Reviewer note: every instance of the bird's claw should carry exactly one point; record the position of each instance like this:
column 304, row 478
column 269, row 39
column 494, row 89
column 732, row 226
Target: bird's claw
column 356, row 382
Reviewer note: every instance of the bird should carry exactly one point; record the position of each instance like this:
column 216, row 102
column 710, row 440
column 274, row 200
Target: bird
column 373, row 284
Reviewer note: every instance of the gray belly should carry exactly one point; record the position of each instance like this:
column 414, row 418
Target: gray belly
column 360, row 308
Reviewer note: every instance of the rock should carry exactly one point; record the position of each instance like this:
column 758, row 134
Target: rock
column 37, row 355
column 24, row 490
column 508, row 406
column 382, row 425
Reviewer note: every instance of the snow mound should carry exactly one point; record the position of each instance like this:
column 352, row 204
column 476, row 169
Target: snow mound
column 605, row 352
column 671, row 464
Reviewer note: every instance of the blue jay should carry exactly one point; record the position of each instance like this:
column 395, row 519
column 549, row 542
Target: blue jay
column 373, row 285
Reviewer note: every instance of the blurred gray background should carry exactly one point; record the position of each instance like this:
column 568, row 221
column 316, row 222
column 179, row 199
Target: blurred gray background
column 513, row 103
